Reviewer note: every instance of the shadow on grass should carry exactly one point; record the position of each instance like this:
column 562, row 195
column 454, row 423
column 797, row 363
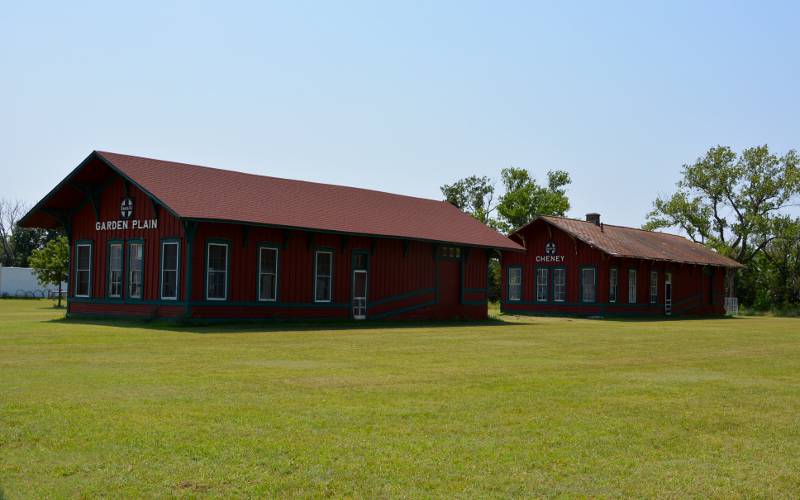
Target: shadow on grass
column 279, row 326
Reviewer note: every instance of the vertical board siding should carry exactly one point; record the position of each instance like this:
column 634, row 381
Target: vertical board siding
column 403, row 277
column 696, row 289
column 84, row 229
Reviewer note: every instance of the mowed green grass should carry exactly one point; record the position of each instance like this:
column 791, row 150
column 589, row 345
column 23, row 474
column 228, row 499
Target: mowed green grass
column 519, row 407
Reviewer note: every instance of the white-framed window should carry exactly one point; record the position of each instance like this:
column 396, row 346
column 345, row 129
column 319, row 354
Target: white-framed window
column 217, row 271
column 267, row 273
column 323, row 275
column 631, row 286
column 83, row 270
column 515, row 283
column 588, row 284
column 559, row 285
column 115, row 270
column 613, row 284
column 653, row 287
column 135, row 270
column 541, row 284
column 169, row 269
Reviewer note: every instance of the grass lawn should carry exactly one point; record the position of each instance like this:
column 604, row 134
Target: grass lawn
column 518, row 407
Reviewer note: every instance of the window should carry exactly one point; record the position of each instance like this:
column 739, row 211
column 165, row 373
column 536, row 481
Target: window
column 323, row 266
column 613, row 280
column 515, row 283
column 169, row 270
column 135, row 270
column 631, row 286
column 217, row 271
column 83, row 270
column 559, row 285
column 541, row 284
column 588, row 285
column 267, row 273
column 653, row 287
column 115, row 270
column 450, row 252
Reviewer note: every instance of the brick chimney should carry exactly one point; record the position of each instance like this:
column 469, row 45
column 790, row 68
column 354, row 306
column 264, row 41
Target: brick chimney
column 593, row 218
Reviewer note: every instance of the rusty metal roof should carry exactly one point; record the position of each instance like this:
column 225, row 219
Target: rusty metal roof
column 621, row 241
column 203, row 193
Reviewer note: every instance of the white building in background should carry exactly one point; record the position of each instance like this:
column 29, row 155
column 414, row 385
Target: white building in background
column 22, row 282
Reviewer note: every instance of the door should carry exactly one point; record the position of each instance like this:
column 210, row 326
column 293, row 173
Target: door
column 359, row 294
column 667, row 293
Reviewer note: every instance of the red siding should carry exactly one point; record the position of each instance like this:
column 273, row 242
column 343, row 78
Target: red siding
column 406, row 279
column 84, row 229
column 696, row 290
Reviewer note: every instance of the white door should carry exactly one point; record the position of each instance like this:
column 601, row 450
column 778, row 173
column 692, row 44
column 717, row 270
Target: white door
column 359, row 294
column 667, row 293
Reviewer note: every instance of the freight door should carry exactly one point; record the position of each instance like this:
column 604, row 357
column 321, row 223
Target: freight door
column 449, row 282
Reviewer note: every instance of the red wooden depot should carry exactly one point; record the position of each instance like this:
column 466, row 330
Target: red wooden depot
column 587, row 268
column 150, row 238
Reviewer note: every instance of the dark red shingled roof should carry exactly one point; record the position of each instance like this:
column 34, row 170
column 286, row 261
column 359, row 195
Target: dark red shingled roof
column 195, row 192
column 620, row 241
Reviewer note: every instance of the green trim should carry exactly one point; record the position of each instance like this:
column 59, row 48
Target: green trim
column 403, row 310
column 90, row 244
column 580, row 284
column 508, row 284
column 161, row 243
column 318, row 250
column 277, row 248
column 214, row 303
column 217, row 242
column 128, row 243
column 402, row 296
column 122, row 294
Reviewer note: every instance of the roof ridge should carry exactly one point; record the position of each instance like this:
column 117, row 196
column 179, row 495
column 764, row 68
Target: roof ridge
column 618, row 226
column 261, row 176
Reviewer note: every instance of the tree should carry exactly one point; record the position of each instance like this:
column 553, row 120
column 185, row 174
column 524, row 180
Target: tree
column 732, row 203
column 10, row 214
column 524, row 199
column 473, row 195
column 51, row 263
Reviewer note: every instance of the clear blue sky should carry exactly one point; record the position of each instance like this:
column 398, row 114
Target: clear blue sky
column 401, row 97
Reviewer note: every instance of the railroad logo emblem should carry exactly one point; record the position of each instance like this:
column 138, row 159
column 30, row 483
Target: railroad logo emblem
column 550, row 248
column 126, row 209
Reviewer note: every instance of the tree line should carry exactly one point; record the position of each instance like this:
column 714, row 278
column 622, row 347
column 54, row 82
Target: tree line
column 739, row 205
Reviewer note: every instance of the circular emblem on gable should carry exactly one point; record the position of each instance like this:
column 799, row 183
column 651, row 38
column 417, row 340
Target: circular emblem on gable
column 126, row 208
column 550, row 248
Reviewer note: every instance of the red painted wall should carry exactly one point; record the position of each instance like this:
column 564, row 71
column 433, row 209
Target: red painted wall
column 696, row 290
column 84, row 229
column 406, row 279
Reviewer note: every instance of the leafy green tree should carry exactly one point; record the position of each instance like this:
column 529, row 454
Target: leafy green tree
column 51, row 263
column 731, row 202
column 26, row 241
column 473, row 195
column 524, row 198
